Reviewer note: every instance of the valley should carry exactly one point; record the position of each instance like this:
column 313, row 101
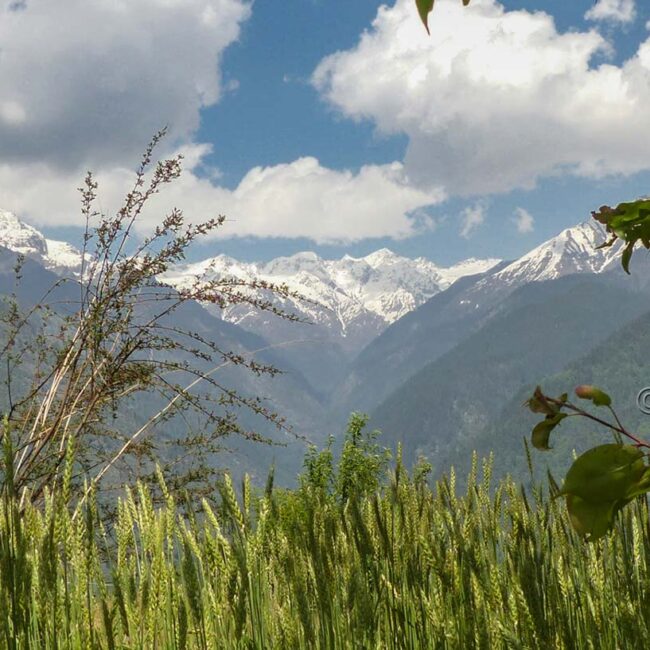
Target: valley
column 432, row 354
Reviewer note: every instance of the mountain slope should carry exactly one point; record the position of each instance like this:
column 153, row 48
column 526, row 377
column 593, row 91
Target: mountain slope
column 406, row 346
column 619, row 365
column 445, row 320
column 539, row 328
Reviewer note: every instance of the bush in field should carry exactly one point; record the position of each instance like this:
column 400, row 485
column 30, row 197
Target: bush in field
column 360, row 469
column 116, row 340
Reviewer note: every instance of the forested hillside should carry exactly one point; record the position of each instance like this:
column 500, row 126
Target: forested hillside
column 619, row 364
column 441, row 412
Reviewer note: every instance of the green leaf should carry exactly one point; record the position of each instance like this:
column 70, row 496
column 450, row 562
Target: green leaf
column 601, row 482
column 424, row 9
column 539, row 404
column 629, row 222
column 591, row 520
column 642, row 486
column 597, row 396
column 542, row 431
column 606, row 473
column 627, row 256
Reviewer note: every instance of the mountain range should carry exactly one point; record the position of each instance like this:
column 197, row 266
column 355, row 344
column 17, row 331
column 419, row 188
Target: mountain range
column 350, row 300
column 432, row 353
column 431, row 330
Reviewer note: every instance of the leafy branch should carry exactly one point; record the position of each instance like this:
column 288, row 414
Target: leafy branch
column 605, row 478
column 629, row 222
column 96, row 342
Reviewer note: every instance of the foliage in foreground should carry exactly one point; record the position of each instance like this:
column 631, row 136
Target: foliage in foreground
column 425, row 7
column 335, row 563
column 114, row 339
column 605, row 478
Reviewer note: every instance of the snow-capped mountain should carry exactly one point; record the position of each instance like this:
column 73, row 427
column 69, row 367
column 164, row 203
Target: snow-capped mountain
column 57, row 256
column 574, row 250
column 350, row 299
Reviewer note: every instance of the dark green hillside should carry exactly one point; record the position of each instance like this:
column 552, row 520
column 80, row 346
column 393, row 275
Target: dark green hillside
column 620, row 365
column 442, row 410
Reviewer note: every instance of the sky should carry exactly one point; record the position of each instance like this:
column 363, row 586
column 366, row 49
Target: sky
column 339, row 127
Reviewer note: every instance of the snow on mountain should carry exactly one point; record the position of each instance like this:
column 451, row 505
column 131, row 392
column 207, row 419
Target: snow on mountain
column 572, row 251
column 62, row 258
column 57, row 256
column 349, row 300
column 21, row 238
column 352, row 298
column 471, row 266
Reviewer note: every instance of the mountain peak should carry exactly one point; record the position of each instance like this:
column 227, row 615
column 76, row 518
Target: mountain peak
column 21, row 237
column 303, row 262
column 574, row 250
column 381, row 256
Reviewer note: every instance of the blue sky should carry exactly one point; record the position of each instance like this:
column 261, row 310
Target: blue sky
column 239, row 90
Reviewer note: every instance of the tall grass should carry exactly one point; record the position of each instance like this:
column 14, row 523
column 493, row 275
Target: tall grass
column 405, row 567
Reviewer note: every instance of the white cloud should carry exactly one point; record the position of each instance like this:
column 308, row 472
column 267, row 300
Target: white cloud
column 494, row 99
column 471, row 218
column 87, row 82
column 620, row 11
column 524, row 221
column 299, row 199
column 115, row 72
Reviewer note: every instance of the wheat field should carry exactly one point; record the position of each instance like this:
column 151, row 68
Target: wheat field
column 405, row 567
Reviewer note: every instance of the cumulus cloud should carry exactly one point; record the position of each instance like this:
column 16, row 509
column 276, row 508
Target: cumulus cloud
column 494, row 99
column 87, row 82
column 115, row 71
column 471, row 218
column 619, row 11
column 524, row 221
column 298, row 199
